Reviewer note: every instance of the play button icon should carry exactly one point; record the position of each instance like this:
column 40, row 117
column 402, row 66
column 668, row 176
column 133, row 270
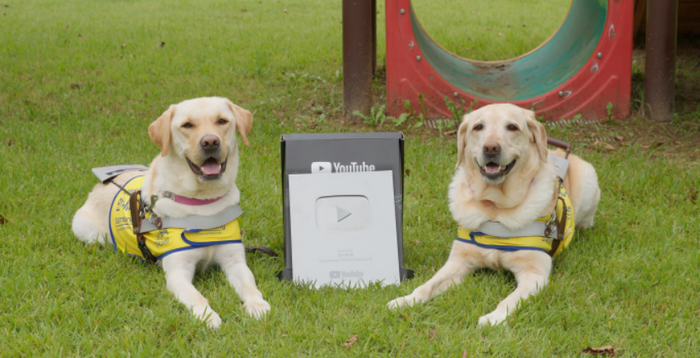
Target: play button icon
column 321, row 167
column 342, row 213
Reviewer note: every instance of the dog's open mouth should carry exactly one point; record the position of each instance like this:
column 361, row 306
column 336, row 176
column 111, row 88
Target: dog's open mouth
column 494, row 171
column 211, row 169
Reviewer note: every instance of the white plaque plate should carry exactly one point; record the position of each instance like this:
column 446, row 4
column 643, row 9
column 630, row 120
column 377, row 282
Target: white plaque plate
column 343, row 228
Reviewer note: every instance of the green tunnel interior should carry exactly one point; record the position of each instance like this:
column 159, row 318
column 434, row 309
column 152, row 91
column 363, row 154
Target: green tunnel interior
column 527, row 76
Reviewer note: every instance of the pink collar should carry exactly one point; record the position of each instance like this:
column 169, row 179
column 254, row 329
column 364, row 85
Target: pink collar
column 470, row 186
column 190, row 201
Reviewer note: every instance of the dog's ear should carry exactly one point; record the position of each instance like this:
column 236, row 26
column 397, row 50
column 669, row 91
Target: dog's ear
column 462, row 139
column 159, row 130
column 538, row 134
column 244, row 120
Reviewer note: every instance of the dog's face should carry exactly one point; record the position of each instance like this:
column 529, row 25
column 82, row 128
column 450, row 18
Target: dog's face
column 497, row 139
column 202, row 132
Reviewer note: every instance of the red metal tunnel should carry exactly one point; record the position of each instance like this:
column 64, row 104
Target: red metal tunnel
column 584, row 68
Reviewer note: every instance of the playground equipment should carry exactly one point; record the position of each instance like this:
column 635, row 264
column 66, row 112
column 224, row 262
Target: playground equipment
column 583, row 68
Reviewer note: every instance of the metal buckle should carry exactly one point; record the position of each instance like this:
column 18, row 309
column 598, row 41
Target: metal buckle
column 551, row 225
column 156, row 220
column 153, row 218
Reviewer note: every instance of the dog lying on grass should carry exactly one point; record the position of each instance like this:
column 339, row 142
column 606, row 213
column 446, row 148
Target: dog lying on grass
column 505, row 188
column 193, row 177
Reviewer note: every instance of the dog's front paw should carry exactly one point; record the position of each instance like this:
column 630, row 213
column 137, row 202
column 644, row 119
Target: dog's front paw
column 212, row 319
column 208, row 316
column 494, row 318
column 401, row 302
column 256, row 309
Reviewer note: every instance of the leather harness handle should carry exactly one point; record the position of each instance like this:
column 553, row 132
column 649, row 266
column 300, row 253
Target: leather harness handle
column 135, row 207
column 263, row 249
column 560, row 144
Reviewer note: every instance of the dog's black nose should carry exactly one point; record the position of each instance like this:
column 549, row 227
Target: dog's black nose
column 492, row 148
column 209, row 143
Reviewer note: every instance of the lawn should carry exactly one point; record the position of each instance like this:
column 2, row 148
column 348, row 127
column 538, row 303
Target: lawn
column 81, row 80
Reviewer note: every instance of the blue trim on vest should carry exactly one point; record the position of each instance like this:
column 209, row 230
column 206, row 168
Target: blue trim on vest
column 132, row 255
column 498, row 247
column 204, row 244
column 196, row 247
column 114, row 242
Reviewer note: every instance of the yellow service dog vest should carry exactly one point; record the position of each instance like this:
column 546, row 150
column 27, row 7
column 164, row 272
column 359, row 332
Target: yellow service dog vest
column 541, row 243
column 165, row 241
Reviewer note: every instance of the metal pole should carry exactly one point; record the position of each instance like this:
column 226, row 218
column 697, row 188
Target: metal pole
column 661, row 29
column 357, row 56
column 374, row 36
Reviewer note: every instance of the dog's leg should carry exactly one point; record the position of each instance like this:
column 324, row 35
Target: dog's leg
column 179, row 270
column 584, row 217
column 231, row 259
column 458, row 265
column 90, row 223
column 531, row 270
column 87, row 228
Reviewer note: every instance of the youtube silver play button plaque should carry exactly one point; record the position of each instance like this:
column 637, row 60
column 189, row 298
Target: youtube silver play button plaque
column 342, row 206
column 344, row 229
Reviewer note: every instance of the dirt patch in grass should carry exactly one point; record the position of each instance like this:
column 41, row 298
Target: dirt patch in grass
column 670, row 140
column 678, row 139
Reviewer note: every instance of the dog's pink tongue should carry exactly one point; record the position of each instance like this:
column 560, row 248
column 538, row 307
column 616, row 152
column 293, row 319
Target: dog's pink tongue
column 211, row 167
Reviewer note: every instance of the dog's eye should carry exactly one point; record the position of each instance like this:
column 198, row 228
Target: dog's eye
column 187, row 125
column 512, row 127
column 222, row 121
column 478, row 127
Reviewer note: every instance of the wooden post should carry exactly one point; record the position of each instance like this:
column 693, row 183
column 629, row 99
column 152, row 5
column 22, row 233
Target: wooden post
column 359, row 48
column 660, row 72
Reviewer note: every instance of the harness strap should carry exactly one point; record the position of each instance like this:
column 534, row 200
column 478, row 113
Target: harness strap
column 196, row 222
column 136, row 209
column 536, row 228
column 106, row 174
column 265, row 250
column 561, row 226
column 561, row 164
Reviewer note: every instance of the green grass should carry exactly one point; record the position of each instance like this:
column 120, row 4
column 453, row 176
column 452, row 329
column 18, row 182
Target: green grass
column 69, row 103
column 491, row 30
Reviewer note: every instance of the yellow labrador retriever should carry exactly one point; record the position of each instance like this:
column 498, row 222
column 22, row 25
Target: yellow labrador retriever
column 507, row 183
column 193, row 177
